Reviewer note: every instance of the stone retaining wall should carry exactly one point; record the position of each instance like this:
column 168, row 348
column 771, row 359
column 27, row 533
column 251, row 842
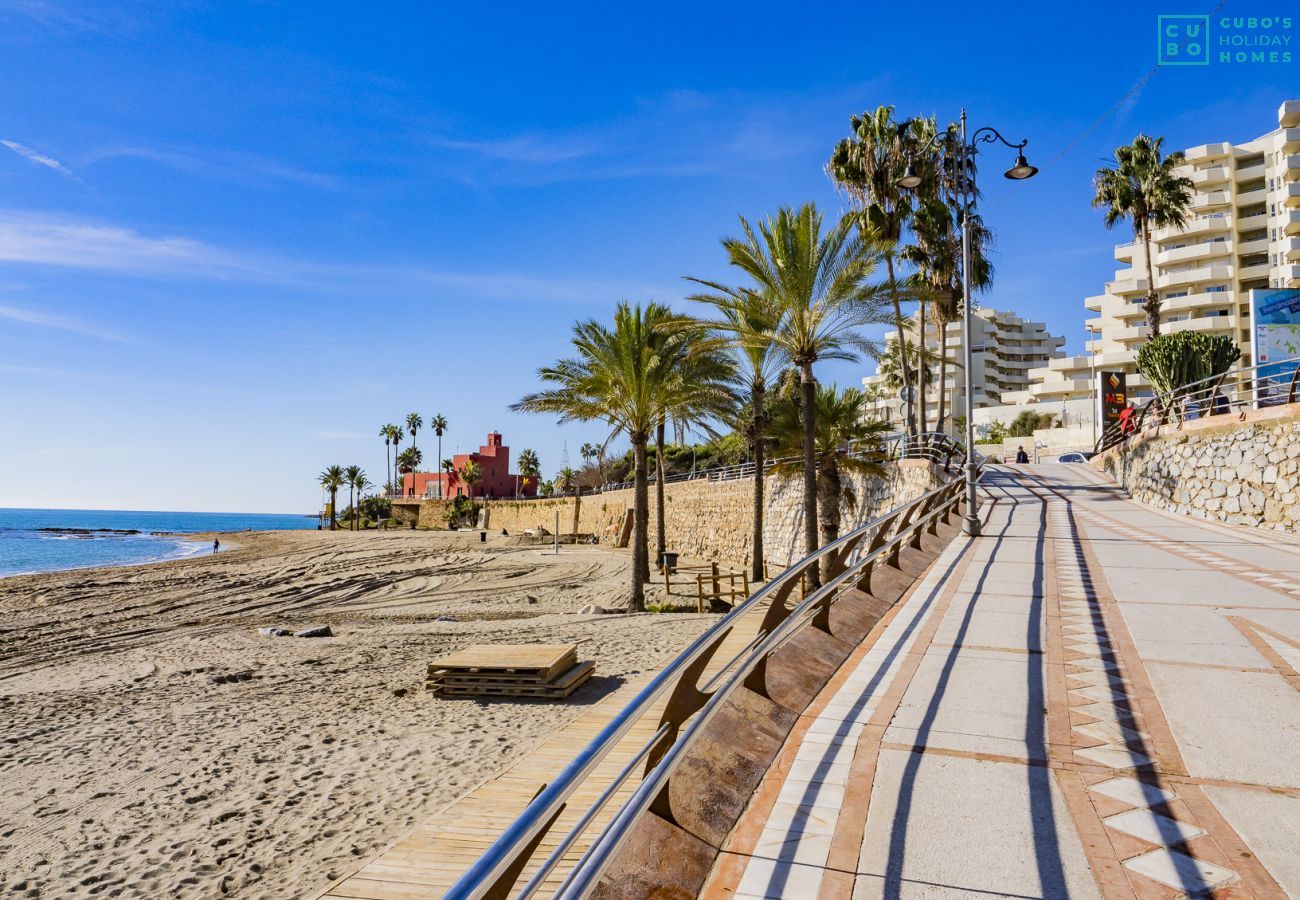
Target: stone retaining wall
column 1242, row 470
column 703, row 519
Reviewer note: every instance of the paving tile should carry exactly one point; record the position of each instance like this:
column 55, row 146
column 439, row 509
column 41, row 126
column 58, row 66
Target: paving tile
column 794, row 818
column 1108, row 732
column 805, row 848
column 774, row 878
column 1101, row 694
column 1180, row 871
column 1114, row 756
column 1153, row 827
column 1130, row 790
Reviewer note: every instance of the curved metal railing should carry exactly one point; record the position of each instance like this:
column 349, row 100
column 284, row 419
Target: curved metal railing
column 846, row 562
column 1233, row 391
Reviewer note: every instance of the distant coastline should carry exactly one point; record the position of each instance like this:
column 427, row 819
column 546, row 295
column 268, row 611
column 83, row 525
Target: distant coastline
column 34, row 541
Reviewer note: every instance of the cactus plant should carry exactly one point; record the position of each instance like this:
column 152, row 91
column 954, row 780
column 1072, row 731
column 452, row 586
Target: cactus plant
column 1172, row 361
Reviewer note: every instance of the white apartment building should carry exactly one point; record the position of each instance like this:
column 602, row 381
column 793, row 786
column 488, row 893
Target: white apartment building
column 1243, row 233
column 1005, row 348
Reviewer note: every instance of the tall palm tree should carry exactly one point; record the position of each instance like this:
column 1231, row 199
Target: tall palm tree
column 618, row 375
column 842, row 425
column 361, row 483
column 449, row 470
column 398, row 435
column 919, row 361
column 471, row 473
column 750, row 319
column 867, row 166
column 937, row 250
column 350, row 476
column 819, row 286
column 413, row 424
column 439, row 425
column 1143, row 187
column 332, row 479
column 698, row 391
column 386, row 432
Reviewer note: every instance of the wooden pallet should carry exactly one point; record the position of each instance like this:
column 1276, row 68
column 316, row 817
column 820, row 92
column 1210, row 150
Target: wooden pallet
column 561, row 687
column 530, row 662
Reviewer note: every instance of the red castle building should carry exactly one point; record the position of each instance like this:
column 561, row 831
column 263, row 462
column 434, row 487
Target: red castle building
column 494, row 460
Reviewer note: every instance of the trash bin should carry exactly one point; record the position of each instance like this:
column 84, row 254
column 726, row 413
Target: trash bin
column 482, row 537
column 668, row 559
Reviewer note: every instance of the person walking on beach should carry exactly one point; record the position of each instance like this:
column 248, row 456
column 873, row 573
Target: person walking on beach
column 216, row 544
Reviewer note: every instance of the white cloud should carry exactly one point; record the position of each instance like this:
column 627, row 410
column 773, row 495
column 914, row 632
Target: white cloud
column 40, row 158
column 61, row 242
column 225, row 165
column 59, row 323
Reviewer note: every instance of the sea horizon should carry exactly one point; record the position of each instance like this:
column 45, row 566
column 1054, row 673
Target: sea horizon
column 33, row 541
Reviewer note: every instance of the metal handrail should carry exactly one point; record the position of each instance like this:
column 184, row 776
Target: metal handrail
column 494, row 871
column 1208, row 397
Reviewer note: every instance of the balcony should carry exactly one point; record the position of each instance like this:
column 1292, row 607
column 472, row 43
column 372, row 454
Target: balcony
column 1251, row 198
column 1245, row 248
column 1210, row 199
column 1291, row 248
column 1193, row 251
column 1198, row 300
column 1288, row 113
column 1197, row 226
column 1291, row 221
column 1259, row 270
column 1291, row 166
column 1212, row 175
column 1292, row 194
column 1291, row 276
column 1123, row 287
column 1209, row 151
column 1198, row 275
column 1124, row 252
column 1251, row 172
column 1290, row 140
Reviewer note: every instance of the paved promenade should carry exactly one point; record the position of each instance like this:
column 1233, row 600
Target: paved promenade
column 1091, row 700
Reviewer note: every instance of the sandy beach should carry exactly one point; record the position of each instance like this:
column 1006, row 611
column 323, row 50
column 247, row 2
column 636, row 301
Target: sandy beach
column 154, row 745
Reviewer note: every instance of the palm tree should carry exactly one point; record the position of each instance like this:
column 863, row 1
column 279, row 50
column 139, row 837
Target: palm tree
column 409, row 461
column 386, row 432
column 413, row 424
column 449, row 469
column 750, row 319
column 618, row 376
column 937, row 251
column 361, row 483
column 917, row 360
column 842, row 426
column 471, row 473
column 818, row 287
column 350, row 476
column 439, row 425
column 398, row 435
column 332, row 479
column 528, row 464
column 564, row 480
column 867, row 166
column 698, row 391
column 1143, row 187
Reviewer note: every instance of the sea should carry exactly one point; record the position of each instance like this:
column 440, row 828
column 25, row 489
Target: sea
column 51, row 540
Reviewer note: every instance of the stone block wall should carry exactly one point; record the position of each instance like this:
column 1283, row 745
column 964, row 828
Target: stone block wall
column 1242, row 472
column 703, row 520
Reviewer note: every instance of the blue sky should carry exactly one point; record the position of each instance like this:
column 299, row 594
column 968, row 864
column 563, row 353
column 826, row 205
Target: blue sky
column 235, row 239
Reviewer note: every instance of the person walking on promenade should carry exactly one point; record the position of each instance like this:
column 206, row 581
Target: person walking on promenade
column 1021, row 456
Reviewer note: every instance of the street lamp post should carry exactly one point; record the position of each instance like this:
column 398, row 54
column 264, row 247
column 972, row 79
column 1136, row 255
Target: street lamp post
column 964, row 194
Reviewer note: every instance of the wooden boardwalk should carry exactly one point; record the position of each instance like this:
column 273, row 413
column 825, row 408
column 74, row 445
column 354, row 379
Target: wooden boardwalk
column 428, row 860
